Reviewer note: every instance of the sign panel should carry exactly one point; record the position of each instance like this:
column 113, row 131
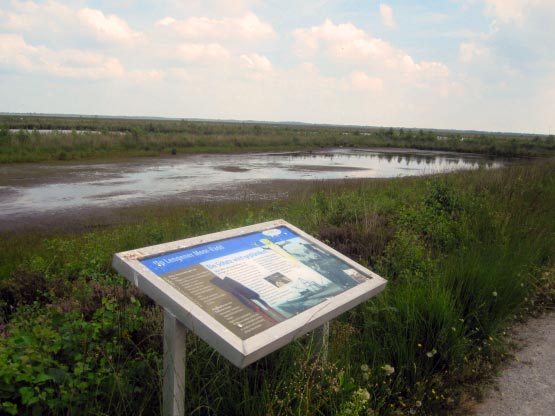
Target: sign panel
column 251, row 290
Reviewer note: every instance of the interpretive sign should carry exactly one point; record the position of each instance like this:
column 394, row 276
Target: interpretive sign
column 251, row 290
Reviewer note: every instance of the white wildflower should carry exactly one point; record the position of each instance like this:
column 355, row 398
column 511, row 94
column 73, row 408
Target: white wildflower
column 364, row 395
column 389, row 370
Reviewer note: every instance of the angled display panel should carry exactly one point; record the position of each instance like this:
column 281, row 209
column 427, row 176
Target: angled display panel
column 251, row 290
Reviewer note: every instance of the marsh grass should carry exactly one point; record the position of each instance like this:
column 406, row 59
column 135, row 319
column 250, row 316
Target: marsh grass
column 97, row 138
column 464, row 253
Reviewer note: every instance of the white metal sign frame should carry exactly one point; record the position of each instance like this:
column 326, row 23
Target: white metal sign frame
column 241, row 351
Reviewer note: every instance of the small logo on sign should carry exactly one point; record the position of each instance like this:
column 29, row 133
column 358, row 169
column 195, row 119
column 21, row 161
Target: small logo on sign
column 272, row 233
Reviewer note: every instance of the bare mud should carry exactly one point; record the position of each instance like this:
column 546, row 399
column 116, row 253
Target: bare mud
column 91, row 217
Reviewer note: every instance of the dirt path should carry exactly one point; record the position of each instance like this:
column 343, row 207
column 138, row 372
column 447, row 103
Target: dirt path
column 527, row 385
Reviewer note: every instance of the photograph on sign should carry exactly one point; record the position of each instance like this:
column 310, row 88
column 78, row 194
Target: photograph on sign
column 252, row 282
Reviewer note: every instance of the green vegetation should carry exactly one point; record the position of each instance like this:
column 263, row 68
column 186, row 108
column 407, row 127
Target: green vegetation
column 464, row 253
column 87, row 138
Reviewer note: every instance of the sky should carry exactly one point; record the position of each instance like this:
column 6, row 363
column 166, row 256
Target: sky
column 454, row 64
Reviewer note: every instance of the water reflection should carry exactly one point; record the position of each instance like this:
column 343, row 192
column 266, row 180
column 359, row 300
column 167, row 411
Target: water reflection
column 408, row 158
column 32, row 188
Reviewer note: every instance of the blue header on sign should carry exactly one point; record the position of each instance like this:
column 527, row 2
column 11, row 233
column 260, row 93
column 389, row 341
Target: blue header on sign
column 181, row 259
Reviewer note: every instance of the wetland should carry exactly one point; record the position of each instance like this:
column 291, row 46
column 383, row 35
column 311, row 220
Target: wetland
column 29, row 191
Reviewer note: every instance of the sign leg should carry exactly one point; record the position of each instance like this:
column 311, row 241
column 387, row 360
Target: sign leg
column 321, row 339
column 174, row 366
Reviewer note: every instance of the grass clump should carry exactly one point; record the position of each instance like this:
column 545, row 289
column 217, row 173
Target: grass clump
column 464, row 253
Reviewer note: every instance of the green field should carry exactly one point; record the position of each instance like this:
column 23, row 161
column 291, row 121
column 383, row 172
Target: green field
column 465, row 254
column 89, row 138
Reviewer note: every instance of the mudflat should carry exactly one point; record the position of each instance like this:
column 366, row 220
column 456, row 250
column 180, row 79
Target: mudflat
column 88, row 217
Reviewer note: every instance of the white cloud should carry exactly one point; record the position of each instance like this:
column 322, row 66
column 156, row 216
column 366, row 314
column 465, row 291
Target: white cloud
column 166, row 21
column 307, row 40
column 248, row 27
column 375, row 81
column 360, row 80
column 470, row 52
column 386, row 13
column 203, row 51
column 146, row 75
column 517, row 44
column 108, row 28
column 29, row 16
column 257, row 66
column 17, row 55
column 13, row 21
column 54, row 20
column 517, row 11
column 347, row 44
column 228, row 8
column 256, row 62
column 178, row 74
column 507, row 10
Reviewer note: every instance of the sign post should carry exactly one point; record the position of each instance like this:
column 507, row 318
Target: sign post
column 321, row 339
column 173, row 389
column 246, row 292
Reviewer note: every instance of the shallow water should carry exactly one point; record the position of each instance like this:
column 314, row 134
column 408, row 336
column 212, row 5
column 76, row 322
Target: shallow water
column 28, row 188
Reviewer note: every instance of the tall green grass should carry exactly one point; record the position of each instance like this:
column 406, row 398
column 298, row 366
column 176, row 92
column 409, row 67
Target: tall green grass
column 97, row 138
column 464, row 253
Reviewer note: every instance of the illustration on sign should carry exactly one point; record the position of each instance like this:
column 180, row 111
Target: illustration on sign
column 251, row 282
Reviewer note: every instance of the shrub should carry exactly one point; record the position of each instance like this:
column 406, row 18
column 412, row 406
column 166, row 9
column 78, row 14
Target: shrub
column 56, row 361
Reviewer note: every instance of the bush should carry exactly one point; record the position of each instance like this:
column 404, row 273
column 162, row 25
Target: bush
column 55, row 361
